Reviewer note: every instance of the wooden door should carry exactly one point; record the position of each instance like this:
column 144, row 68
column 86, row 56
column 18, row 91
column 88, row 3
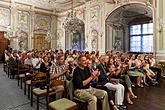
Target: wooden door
column 3, row 45
column 40, row 43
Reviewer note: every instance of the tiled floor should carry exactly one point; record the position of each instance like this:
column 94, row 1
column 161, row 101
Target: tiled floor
column 11, row 96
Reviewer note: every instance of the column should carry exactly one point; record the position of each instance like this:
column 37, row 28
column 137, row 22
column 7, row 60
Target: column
column 53, row 31
column 14, row 41
column 31, row 29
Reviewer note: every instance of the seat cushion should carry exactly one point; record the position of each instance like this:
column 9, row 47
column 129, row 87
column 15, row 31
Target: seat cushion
column 28, row 82
column 58, row 88
column 38, row 91
column 21, row 75
column 62, row 104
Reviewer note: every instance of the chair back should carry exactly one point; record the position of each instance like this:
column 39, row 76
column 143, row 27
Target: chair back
column 38, row 79
column 57, row 83
column 52, row 86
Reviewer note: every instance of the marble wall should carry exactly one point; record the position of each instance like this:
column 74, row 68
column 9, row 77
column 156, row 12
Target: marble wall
column 23, row 24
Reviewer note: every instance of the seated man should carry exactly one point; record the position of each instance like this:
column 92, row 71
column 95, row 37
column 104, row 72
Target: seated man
column 58, row 71
column 83, row 90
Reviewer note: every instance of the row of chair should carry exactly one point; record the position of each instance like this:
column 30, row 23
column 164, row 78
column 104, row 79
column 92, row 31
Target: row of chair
column 39, row 86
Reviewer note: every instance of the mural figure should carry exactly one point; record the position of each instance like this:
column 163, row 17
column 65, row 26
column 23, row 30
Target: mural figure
column 22, row 39
column 75, row 44
column 117, row 45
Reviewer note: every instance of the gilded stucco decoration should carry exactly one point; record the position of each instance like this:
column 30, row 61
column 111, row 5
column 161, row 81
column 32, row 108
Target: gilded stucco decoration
column 94, row 26
column 94, row 41
column 59, row 34
column 42, row 22
column 94, row 15
column 4, row 17
column 23, row 21
column 22, row 37
column 81, row 14
column 59, row 45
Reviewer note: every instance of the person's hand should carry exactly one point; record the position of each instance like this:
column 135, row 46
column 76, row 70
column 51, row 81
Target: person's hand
column 71, row 75
column 47, row 68
column 95, row 74
column 65, row 70
column 68, row 72
column 67, row 67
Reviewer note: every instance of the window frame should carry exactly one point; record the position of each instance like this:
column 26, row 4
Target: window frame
column 141, row 37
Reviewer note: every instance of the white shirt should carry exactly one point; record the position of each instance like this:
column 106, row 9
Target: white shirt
column 36, row 62
column 6, row 57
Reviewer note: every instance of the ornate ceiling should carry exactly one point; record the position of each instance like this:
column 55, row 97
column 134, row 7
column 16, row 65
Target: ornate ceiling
column 56, row 5
column 53, row 5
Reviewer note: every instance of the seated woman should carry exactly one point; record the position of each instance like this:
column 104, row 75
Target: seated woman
column 119, row 74
column 134, row 72
column 45, row 65
column 140, row 67
column 104, row 81
column 94, row 84
column 150, row 74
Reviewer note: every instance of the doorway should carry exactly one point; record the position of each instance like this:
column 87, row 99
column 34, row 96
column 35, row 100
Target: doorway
column 4, row 42
column 40, row 43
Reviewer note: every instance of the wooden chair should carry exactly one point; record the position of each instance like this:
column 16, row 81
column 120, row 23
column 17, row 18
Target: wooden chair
column 21, row 73
column 7, row 69
column 12, row 71
column 82, row 105
column 27, row 80
column 37, row 80
column 60, row 104
column 5, row 66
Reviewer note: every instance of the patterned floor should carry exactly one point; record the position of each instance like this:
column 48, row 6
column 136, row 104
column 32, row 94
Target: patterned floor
column 12, row 97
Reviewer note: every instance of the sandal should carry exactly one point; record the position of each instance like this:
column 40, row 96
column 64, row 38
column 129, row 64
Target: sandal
column 140, row 86
column 115, row 107
column 134, row 96
column 146, row 84
column 130, row 102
